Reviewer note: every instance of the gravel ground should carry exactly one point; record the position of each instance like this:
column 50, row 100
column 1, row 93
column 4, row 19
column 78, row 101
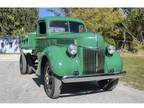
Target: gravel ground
column 17, row 88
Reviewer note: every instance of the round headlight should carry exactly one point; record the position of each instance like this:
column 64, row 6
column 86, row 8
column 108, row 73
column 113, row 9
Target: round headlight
column 72, row 49
column 111, row 49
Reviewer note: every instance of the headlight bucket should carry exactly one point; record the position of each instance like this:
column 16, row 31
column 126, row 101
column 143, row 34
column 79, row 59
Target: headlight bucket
column 110, row 49
column 72, row 49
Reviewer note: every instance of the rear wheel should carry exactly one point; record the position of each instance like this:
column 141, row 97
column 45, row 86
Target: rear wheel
column 23, row 64
column 26, row 62
column 108, row 85
column 52, row 85
column 29, row 60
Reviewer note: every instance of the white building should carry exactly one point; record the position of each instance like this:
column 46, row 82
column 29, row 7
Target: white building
column 9, row 45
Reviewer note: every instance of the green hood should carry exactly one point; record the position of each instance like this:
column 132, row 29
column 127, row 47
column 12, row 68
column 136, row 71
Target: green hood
column 92, row 40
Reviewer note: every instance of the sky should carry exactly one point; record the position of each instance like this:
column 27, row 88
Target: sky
column 43, row 12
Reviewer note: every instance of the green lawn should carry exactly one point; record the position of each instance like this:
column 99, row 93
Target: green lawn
column 134, row 65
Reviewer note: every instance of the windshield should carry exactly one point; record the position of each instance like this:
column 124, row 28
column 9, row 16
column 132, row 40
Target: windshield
column 66, row 26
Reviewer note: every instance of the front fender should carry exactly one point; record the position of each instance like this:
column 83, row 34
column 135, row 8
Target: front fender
column 61, row 64
column 113, row 63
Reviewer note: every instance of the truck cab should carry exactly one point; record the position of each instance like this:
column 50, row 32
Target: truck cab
column 61, row 50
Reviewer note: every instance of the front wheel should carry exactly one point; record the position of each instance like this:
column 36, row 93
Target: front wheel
column 108, row 85
column 52, row 85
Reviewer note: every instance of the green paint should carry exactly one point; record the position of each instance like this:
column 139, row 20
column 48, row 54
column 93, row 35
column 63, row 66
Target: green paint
column 29, row 42
column 113, row 62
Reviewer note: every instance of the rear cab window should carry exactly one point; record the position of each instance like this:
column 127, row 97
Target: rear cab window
column 42, row 27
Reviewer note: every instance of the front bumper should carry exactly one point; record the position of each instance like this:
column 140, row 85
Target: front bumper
column 96, row 77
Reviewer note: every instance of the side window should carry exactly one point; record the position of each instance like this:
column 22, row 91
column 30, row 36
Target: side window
column 42, row 27
column 77, row 27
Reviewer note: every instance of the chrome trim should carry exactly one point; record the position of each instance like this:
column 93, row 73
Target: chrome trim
column 96, row 40
column 92, row 48
column 71, row 79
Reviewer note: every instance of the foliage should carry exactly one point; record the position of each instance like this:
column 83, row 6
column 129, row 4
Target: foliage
column 66, row 11
column 17, row 21
column 101, row 20
column 135, row 21
column 135, row 24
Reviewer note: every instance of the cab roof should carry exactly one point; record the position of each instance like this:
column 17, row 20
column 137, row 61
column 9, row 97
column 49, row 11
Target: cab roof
column 61, row 18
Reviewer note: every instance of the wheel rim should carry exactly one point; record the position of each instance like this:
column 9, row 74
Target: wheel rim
column 48, row 80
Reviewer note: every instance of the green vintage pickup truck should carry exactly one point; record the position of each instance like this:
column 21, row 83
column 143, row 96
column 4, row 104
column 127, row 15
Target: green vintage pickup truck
column 61, row 50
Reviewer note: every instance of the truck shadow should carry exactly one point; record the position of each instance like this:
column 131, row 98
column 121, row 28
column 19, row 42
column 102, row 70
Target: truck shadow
column 38, row 81
column 75, row 89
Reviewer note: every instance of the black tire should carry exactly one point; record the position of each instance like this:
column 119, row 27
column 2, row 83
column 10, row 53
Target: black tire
column 52, row 85
column 29, row 60
column 108, row 85
column 23, row 64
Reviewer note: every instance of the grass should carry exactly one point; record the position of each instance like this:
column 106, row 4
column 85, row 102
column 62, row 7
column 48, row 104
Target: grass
column 134, row 65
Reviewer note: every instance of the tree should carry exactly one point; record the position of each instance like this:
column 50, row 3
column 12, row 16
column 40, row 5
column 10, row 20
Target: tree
column 135, row 21
column 101, row 20
column 17, row 21
column 67, row 11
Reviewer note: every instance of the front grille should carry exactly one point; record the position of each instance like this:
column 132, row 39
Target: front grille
column 93, row 61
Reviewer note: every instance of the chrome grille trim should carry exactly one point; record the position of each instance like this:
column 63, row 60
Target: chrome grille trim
column 93, row 61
